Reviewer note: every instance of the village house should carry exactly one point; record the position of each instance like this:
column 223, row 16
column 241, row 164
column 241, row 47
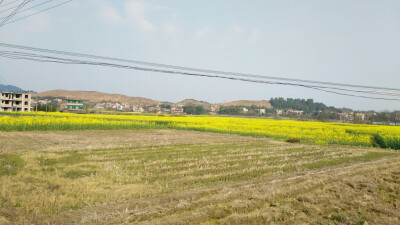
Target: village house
column 100, row 105
column 214, row 110
column 298, row 112
column 368, row 115
column 359, row 116
column 137, row 108
column 397, row 117
column 71, row 105
column 261, row 111
column 154, row 109
column 15, row 102
column 165, row 111
column 177, row 109
column 279, row 112
column 346, row 116
column 44, row 101
column 289, row 111
column 245, row 110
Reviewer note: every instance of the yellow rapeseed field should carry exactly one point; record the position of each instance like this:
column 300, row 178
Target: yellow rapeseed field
column 308, row 132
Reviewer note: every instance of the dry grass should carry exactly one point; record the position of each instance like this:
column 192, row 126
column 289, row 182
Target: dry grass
column 96, row 139
column 181, row 177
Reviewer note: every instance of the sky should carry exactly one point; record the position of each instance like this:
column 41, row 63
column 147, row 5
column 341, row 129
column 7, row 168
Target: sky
column 354, row 42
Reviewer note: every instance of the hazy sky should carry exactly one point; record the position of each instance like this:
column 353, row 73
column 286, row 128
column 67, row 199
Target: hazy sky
column 355, row 42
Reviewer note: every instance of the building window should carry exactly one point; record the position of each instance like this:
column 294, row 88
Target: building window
column 26, row 96
column 26, row 103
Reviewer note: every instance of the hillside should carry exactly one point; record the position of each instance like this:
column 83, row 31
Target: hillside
column 195, row 102
column 10, row 88
column 261, row 103
column 94, row 96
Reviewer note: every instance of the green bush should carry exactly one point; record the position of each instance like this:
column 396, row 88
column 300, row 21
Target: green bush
column 293, row 139
column 393, row 143
column 378, row 141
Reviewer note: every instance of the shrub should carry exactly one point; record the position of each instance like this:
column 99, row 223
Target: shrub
column 393, row 143
column 293, row 139
column 378, row 141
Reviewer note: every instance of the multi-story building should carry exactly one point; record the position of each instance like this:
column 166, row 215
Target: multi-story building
column 15, row 102
column 71, row 105
column 359, row 116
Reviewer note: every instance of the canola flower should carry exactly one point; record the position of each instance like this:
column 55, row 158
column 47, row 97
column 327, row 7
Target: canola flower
column 307, row 131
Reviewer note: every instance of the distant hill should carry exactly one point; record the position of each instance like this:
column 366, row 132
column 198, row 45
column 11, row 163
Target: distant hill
column 205, row 105
column 94, row 96
column 10, row 88
column 249, row 103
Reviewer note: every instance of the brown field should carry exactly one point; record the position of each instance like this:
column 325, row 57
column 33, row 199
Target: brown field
column 186, row 177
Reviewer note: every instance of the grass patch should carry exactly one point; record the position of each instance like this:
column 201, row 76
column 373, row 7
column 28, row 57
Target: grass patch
column 74, row 174
column 352, row 159
column 72, row 158
column 10, row 164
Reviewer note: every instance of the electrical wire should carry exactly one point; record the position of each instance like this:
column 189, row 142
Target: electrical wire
column 50, row 59
column 28, row 56
column 36, row 13
column 190, row 69
column 9, row 3
column 14, row 12
column 19, row 55
column 13, row 7
column 32, row 7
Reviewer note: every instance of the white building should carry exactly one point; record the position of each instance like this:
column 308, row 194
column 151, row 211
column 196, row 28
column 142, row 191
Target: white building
column 15, row 102
column 137, row 108
column 262, row 111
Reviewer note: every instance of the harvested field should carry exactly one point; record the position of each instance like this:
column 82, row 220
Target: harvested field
column 181, row 177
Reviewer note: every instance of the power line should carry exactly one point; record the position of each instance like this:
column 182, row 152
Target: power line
column 41, row 58
column 13, row 7
column 14, row 12
column 9, row 3
column 37, row 5
column 191, row 69
column 37, row 12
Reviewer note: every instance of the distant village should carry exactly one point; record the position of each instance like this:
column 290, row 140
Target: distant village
column 300, row 109
column 201, row 108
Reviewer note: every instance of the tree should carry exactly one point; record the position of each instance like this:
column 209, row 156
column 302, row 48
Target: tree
column 193, row 110
column 47, row 107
